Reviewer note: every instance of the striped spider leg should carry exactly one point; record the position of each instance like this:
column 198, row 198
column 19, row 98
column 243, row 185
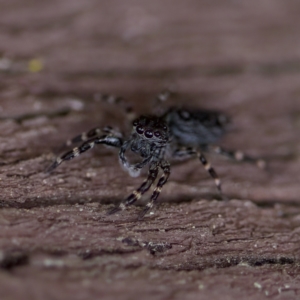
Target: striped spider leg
column 149, row 139
column 104, row 137
column 191, row 151
column 239, row 156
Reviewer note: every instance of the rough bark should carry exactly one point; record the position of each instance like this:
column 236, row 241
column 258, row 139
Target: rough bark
column 56, row 240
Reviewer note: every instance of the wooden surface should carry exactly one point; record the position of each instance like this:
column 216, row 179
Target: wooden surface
column 56, row 241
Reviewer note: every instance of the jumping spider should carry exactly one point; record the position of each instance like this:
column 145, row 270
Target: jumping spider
column 177, row 133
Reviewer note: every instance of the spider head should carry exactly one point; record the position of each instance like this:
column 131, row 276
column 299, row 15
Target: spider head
column 151, row 128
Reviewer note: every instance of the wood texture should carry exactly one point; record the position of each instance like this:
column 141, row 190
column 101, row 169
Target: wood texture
column 56, row 241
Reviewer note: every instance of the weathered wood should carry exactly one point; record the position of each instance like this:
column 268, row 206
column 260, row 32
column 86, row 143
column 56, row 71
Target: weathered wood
column 56, row 240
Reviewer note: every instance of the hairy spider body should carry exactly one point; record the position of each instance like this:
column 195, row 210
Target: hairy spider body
column 178, row 133
column 195, row 127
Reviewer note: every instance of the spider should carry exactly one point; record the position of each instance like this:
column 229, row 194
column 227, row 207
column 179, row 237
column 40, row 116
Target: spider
column 176, row 133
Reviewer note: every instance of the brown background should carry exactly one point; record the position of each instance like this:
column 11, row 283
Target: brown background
column 56, row 241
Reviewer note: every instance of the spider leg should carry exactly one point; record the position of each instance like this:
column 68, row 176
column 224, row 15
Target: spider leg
column 89, row 144
column 239, row 156
column 164, row 95
column 160, row 99
column 185, row 152
column 133, row 170
column 92, row 133
column 137, row 194
column 165, row 166
column 120, row 101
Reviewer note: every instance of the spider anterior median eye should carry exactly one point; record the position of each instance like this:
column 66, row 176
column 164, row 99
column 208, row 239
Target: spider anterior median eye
column 140, row 129
column 149, row 133
column 157, row 134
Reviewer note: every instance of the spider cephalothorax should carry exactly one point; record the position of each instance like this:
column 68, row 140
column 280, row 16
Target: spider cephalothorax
column 149, row 138
column 177, row 133
column 149, row 134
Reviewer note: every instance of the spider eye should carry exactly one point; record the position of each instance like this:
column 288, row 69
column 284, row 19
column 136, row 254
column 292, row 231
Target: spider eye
column 157, row 134
column 135, row 122
column 140, row 129
column 148, row 133
column 164, row 127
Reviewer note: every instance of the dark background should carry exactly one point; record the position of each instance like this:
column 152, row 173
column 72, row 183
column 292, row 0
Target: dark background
column 56, row 58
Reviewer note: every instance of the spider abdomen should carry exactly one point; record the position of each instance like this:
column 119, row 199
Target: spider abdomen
column 197, row 127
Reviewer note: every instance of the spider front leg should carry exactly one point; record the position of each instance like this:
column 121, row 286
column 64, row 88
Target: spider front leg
column 137, row 194
column 92, row 133
column 165, row 166
column 89, row 144
column 133, row 169
column 186, row 152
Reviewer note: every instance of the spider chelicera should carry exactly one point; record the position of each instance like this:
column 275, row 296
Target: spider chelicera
column 177, row 133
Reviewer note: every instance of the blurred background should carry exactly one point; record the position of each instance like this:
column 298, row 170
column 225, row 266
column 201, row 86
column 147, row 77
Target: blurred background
column 233, row 51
